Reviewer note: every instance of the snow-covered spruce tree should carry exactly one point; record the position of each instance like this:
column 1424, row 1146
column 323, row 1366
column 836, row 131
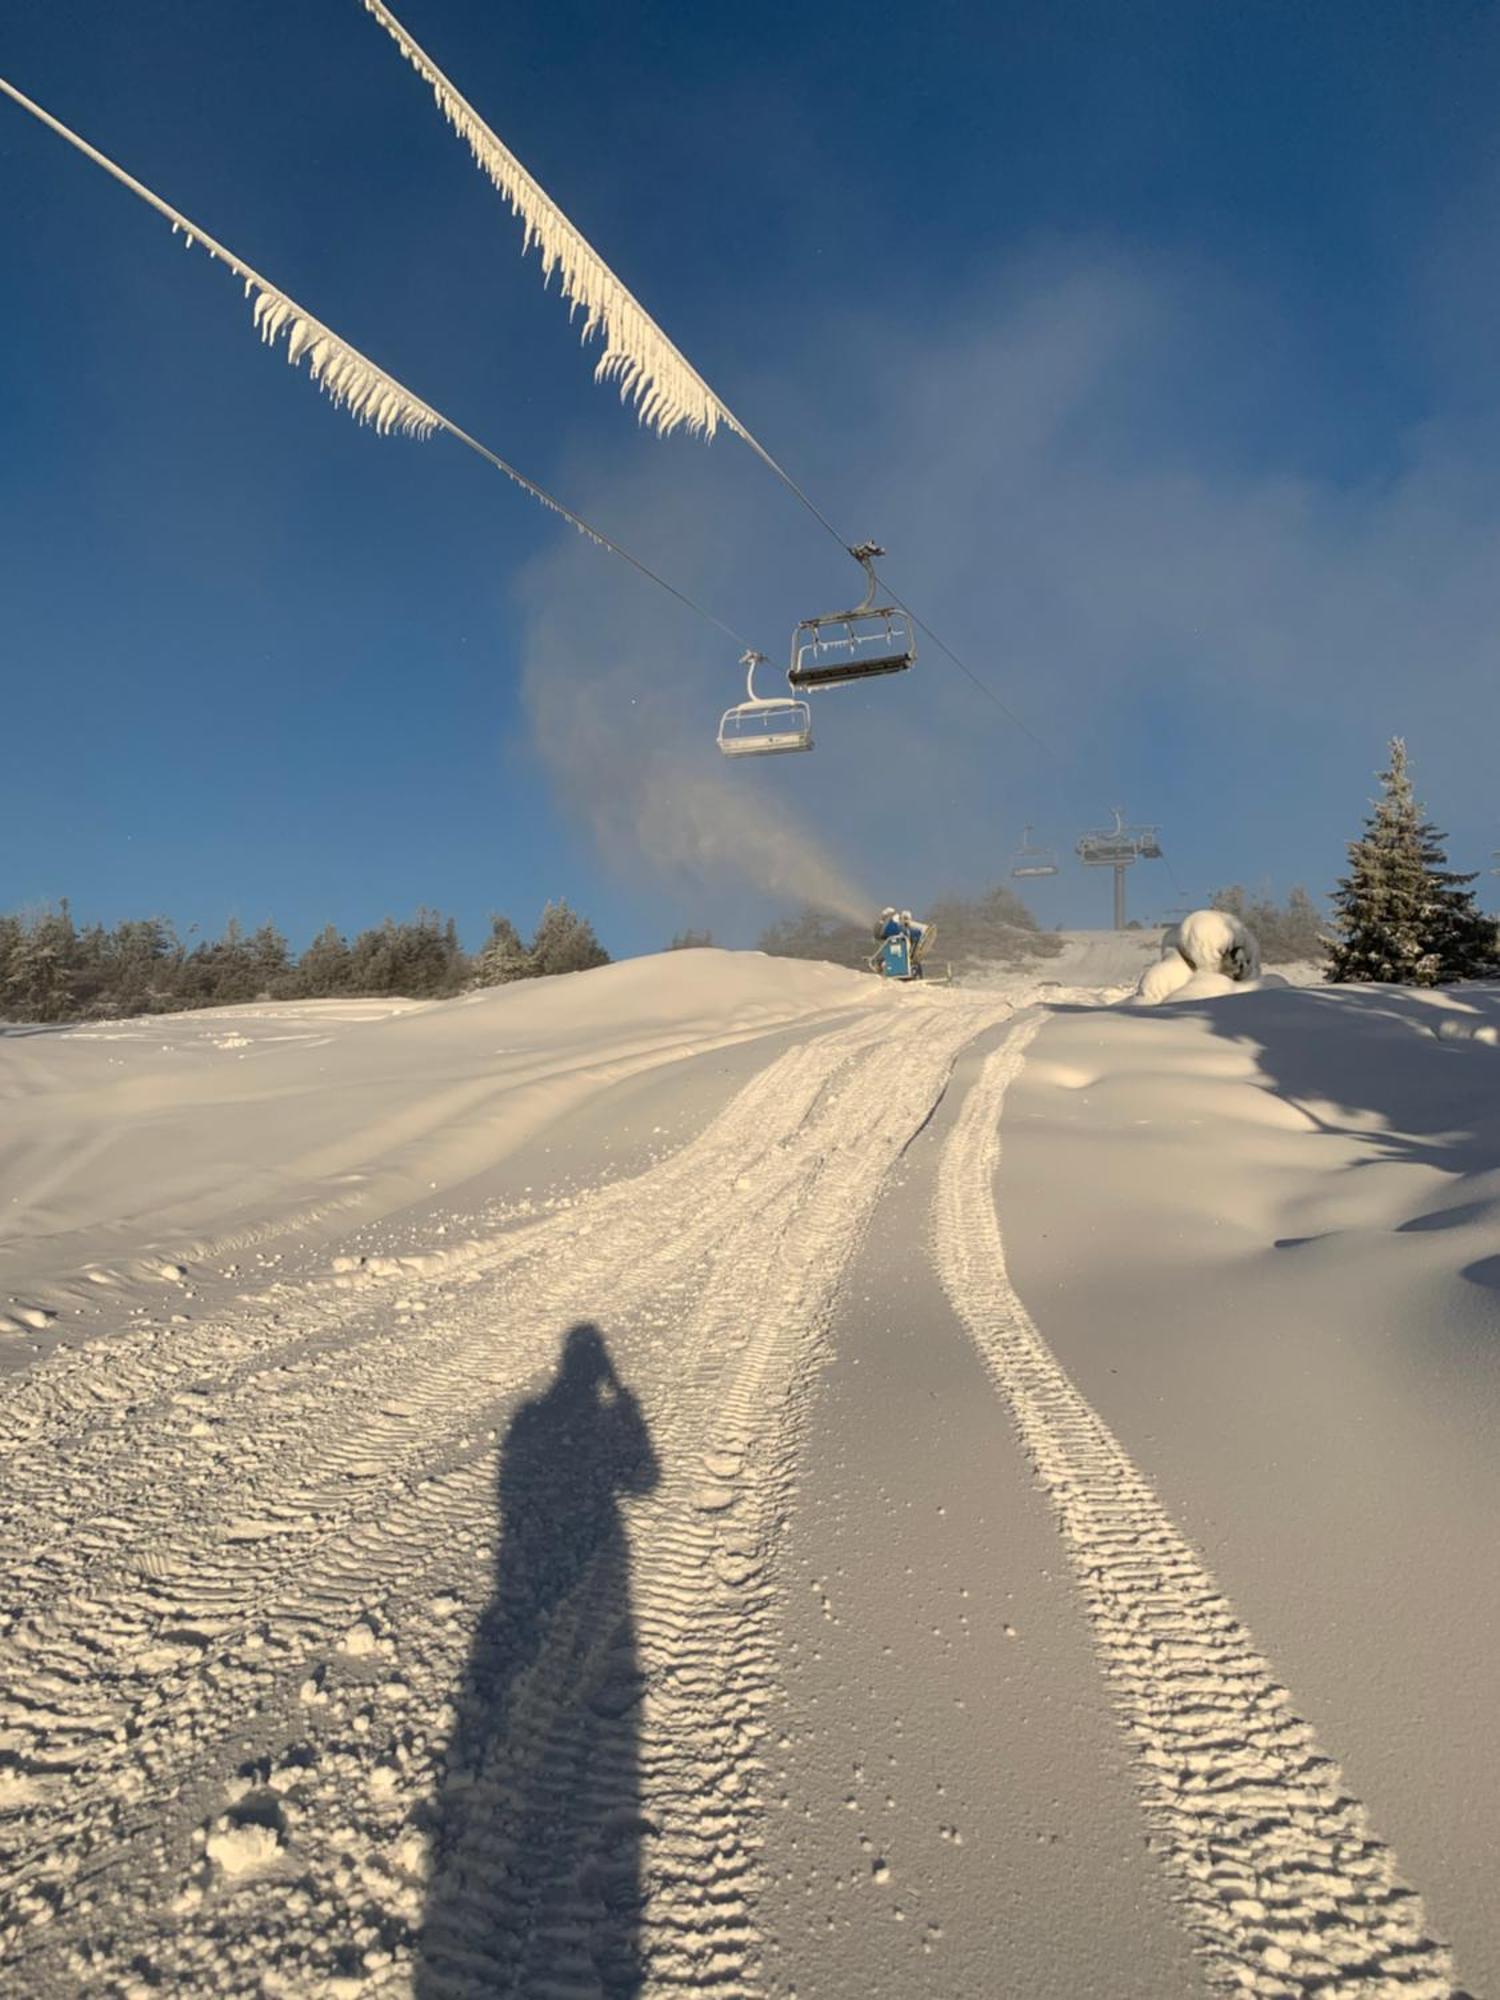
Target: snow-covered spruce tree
column 41, row 969
column 565, row 942
column 325, row 968
column 1402, row 917
column 503, row 956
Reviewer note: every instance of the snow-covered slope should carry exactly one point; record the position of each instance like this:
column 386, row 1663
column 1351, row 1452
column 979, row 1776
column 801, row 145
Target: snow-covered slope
column 1103, row 958
column 420, row 1608
column 1262, row 1232
column 135, row 1149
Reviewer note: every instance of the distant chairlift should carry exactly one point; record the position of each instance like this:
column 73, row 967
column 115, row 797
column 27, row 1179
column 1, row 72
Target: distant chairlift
column 844, row 646
column 1033, row 860
column 1118, row 845
column 764, row 725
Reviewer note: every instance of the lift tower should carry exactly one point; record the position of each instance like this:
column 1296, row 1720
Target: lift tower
column 1118, row 847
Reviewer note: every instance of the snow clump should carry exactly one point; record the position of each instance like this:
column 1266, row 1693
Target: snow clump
column 1213, row 949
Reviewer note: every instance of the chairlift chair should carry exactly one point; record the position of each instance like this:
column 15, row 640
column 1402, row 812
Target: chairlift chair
column 1032, row 860
column 845, row 646
column 764, row 725
column 1119, row 845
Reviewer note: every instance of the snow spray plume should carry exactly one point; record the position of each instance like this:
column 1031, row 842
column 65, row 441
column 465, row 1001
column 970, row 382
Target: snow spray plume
column 630, row 747
column 702, row 823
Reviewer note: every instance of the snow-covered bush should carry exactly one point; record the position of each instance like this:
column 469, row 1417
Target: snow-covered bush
column 1289, row 933
column 1169, row 972
column 1206, row 945
column 1219, row 941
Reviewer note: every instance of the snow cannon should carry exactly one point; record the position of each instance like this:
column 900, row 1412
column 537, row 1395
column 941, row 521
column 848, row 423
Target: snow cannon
column 901, row 939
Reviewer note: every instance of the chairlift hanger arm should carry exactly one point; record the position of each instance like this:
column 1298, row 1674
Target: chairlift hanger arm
column 864, row 553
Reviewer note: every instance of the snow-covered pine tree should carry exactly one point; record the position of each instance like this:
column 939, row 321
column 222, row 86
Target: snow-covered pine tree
column 10, row 944
column 1402, row 917
column 41, row 967
column 271, row 959
column 502, row 957
column 565, row 942
column 326, row 967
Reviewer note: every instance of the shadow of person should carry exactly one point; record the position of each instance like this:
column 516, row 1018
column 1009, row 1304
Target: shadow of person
column 536, row 1826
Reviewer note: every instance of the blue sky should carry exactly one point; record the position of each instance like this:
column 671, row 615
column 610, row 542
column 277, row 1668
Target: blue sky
column 1157, row 343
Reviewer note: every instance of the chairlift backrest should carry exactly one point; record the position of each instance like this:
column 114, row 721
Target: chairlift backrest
column 1031, row 860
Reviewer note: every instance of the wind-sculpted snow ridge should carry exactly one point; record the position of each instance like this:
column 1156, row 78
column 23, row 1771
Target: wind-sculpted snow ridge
column 1286, row 1887
column 272, row 1728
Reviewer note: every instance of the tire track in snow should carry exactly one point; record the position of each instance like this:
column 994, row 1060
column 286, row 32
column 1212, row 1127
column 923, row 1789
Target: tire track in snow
column 1286, row 1887
column 258, row 1533
column 144, row 1575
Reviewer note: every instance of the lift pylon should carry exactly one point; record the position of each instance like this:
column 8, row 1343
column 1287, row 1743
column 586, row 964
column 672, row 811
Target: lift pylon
column 1119, row 847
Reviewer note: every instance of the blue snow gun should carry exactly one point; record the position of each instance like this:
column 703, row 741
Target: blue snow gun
column 893, row 959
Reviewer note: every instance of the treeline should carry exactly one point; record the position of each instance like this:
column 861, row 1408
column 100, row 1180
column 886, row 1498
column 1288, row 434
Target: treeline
column 53, row 969
column 1288, row 932
column 995, row 928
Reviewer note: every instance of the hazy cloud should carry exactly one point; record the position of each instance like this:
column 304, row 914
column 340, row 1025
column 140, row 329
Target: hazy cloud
column 1113, row 485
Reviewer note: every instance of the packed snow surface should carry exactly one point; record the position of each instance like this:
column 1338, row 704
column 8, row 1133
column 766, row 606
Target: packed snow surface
column 718, row 1474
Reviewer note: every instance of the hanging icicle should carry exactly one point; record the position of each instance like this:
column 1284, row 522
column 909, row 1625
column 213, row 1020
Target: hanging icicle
column 662, row 384
column 340, row 371
column 350, row 378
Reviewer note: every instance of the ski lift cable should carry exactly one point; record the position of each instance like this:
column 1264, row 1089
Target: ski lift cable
column 347, row 376
column 1181, row 892
column 964, row 668
column 850, row 549
column 922, row 626
column 653, row 373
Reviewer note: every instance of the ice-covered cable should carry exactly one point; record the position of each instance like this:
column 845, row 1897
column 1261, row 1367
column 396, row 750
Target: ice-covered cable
column 664, row 386
column 651, row 372
column 350, row 378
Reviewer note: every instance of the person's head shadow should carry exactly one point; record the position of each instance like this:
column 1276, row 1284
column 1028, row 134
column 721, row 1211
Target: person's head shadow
column 536, row 1822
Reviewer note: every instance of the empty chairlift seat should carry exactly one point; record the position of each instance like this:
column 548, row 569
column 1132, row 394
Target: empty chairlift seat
column 845, row 646
column 764, row 725
column 1031, row 860
column 1119, row 845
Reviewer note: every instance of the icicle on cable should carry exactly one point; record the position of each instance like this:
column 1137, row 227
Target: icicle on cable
column 652, row 373
column 349, row 378
column 663, row 384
